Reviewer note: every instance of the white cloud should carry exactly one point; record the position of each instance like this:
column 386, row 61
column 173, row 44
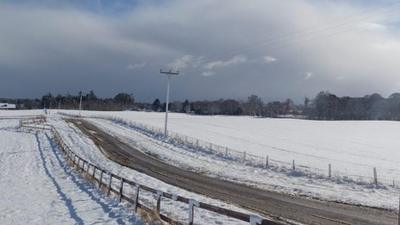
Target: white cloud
column 371, row 26
column 208, row 73
column 233, row 61
column 136, row 66
column 340, row 78
column 308, row 75
column 185, row 62
column 269, row 59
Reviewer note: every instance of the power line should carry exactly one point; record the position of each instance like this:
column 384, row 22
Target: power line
column 294, row 36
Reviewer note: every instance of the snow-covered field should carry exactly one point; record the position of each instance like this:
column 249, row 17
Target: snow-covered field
column 6, row 114
column 353, row 148
column 37, row 188
column 269, row 179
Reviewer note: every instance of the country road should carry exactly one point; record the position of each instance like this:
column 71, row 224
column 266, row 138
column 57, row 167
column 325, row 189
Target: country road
column 303, row 210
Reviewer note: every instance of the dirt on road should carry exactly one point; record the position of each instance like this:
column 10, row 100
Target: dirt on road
column 303, row 210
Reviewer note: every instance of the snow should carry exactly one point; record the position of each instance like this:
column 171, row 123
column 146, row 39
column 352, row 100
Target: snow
column 279, row 180
column 36, row 187
column 84, row 147
column 353, row 148
column 7, row 114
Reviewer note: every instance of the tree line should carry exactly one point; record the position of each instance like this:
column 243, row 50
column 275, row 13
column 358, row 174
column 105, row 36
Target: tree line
column 327, row 106
column 324, row 106
column 121, row 101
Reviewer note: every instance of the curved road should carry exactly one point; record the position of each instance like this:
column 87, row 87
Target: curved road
column 265, row 202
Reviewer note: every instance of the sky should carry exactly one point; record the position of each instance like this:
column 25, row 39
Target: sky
column 223, row 49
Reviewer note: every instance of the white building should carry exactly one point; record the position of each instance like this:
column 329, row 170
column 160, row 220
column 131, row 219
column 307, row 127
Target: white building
column 7, row 106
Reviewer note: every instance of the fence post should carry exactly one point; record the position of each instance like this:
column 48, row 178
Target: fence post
column 78, row 164
column 70, row 156
column 255, row 220
column 88, row 168
column 330, row 170
column 101, row 178
column 192, row 204
column 226, row 152
column 135, row 206
column 94, row 172
column 398, row 217
column 266, row 161
column 109, row 185
column 375, row 177
column 197, row 142
column 159, row 195
column 244, row 156
column 293, row 165
column 83, row 166
column 121, row 189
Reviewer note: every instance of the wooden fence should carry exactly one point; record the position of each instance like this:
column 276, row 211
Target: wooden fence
column 114, row 184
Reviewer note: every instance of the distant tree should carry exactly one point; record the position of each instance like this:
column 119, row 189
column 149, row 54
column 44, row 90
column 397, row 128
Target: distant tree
column 186, row 106
column 230, row 107
column 91, row 96
column 306, row 102
column 47, row 100
column 254, row 105
column 156, row 106
column 123, row 98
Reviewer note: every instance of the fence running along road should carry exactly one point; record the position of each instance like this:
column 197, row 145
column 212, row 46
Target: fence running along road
column 329, row 172
column 117, row 185
column 268, row 203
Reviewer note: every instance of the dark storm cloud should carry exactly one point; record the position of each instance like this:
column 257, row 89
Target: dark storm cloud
column 276, row 49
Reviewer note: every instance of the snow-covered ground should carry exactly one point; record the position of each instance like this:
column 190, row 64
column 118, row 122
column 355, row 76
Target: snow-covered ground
column 353, row 148
column 36, row 187
column 357, row 146
column 84, row 147
column 288, row 182
column 5, row 114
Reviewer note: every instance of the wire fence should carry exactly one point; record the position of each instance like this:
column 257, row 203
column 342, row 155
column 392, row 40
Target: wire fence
column 133, row 192
column 291, row 167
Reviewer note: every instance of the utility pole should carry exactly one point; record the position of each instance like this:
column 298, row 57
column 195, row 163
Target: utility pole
column 80, row 105
column 169, row 74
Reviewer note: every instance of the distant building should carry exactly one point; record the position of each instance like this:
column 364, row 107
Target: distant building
column 7, row 106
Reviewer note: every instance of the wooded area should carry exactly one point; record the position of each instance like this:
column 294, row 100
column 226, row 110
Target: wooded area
column 324, row 106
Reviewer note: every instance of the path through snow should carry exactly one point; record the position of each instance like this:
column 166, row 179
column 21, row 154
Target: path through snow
column 36, row 186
